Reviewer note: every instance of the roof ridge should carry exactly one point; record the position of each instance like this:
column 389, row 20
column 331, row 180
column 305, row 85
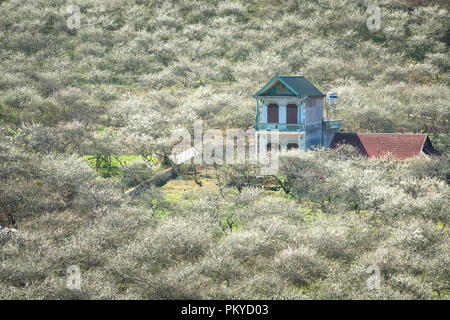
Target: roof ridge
column 298, row 86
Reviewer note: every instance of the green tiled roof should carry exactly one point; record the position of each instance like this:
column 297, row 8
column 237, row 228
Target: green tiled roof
column 298, row 86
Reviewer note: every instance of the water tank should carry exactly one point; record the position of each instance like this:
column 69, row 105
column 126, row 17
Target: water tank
column 332, row 98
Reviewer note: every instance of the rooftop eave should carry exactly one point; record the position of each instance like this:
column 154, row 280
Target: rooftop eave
column 277, row 96
column 291, row 96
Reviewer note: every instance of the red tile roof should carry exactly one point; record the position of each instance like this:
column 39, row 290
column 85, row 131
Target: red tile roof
column 376, row 145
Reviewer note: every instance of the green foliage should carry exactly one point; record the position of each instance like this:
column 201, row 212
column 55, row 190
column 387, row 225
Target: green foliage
column 33, row 184
column 375, row 189
column 112, row 91
column 148, row 248
column 131, row 168
column 239, row 176
column 210, row 57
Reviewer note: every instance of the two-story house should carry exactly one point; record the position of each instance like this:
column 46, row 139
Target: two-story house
column 293, row 106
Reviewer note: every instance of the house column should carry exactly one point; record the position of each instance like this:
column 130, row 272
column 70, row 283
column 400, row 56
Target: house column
column 262, row 148
column 257, row 111
column 263, row 113
column 256, row 146
column 282, row 112
column 301, row 112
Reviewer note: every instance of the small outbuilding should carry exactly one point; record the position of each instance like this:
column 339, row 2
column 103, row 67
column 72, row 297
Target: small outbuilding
column 376, row 145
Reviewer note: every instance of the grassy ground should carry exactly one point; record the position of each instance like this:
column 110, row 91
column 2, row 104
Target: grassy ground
column 115, row 170
column 175, row 189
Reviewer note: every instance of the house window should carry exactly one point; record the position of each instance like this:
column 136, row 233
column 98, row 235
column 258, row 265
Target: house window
column 291, row 113
column 272, row 113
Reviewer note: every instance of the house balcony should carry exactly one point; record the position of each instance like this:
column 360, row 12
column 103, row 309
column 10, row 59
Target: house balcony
column 332, row 124
column 285, row 127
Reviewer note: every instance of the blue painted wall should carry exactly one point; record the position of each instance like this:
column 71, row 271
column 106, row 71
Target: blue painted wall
column 313, row 122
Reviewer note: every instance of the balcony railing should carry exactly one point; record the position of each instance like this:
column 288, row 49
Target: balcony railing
column 327, row 124
column 332, row 124
column 280, row 126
